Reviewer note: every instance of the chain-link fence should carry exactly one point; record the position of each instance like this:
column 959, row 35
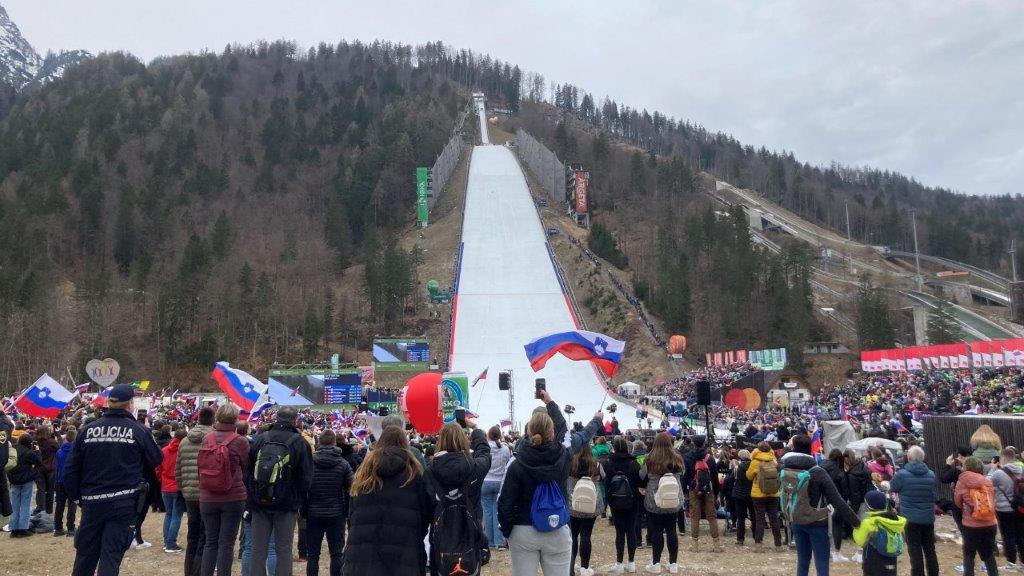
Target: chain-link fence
column 546, row 167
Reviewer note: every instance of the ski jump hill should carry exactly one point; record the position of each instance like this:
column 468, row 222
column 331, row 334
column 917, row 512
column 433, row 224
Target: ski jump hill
column 507, row 293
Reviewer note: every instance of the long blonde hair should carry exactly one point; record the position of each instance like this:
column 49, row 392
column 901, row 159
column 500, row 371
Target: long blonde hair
column 452, row 439
column 367, row 479
column 986, row 437
column 540, row 428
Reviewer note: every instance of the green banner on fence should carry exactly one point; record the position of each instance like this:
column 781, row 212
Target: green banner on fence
column 421, row 195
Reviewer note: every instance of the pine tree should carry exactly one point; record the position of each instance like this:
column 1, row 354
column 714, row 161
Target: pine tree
column 220, row 241
column 311, row 334
column 874, row 327
column 942, row 326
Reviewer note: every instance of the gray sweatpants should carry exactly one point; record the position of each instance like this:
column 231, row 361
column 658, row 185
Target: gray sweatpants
column 283, row 526
column 549, row 551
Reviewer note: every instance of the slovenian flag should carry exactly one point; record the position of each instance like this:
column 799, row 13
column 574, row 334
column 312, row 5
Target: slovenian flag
column 241, row 387
column 602, row 350
column 482, row 376
column 816, row 440
column 44, row 399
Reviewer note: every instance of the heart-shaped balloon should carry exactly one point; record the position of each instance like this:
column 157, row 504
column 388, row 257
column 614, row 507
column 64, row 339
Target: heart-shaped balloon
column 103, row 372
column 421, row 402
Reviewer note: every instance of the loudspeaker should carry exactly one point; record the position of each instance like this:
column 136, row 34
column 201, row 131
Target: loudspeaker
column 703, row 393
column 504, row 381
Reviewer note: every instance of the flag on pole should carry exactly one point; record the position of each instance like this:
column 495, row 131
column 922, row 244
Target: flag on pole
column 82, row 388
column 45, row 398
column 482, row 376
column 577, row 345
column 240, row 386
column 505, row 423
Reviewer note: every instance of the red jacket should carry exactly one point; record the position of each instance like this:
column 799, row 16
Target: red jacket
column 239, row 448
column 165, row 471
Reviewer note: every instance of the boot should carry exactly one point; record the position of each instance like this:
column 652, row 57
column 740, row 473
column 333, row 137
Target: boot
column 716, row 545
column 694, row 546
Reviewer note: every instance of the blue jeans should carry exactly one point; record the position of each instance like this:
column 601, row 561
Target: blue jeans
column 175, row 505
column 247, row 551
column 489, row 500
column 21, row 503
column 811, row 540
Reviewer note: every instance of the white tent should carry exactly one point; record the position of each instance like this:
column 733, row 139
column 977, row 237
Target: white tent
column 860, row 447
column 836, row 434
column 629, row 389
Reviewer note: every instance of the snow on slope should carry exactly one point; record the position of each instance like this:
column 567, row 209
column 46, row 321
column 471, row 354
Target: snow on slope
column 508, row 294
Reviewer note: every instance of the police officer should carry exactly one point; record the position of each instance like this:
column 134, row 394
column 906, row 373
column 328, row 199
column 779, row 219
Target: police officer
column 104, row 473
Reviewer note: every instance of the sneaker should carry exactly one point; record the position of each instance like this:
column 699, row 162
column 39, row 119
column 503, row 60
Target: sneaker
column 586, row 572
column 173, row 549
column 653, row 568
column 673, row 568
column 616, row 568
column 140, row 545
column 59, row 533
column 837, row 556
column 7, row 528
column 1009, row 567
column 631, row 567
column 858, row 558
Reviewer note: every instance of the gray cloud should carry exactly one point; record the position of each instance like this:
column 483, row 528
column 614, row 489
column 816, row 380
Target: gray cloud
column 931, row 89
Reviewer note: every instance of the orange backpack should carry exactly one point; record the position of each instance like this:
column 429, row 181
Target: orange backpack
column 981, row 503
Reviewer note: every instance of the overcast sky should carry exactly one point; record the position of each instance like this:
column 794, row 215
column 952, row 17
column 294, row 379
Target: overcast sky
column 932, row 89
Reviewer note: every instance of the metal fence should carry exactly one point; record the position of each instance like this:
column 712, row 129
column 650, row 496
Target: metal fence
column 944, row 434
column 443, row 168
column 546, row 167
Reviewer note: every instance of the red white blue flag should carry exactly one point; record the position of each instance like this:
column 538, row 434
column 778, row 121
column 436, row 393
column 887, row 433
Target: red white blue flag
column 44, row 399
column 578, row 345
column 482, row 376
column 240, row 386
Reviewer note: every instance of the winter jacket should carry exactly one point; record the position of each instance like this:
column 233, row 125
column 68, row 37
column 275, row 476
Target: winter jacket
column 574, row 477
column 61, row 459
column 535, row 464
column 500, row 455
column 628, row 466
column 165, row 471
column 27, row 468
column 332, row 478
column 652, row 489
column 48, row 454
column 601, row 451
column 186, row 468
column 1002, row 482
column 742, row 487
column 838, row 475
column 449, row 471
column 238, row 448
column 916, row 486
column 348, row 452
column 886, row 470
column 300, row 467
column 879, row 520
column 962, row 496
column 387, row 527
column 111, row 458
column 858, row 484
column 756, row 458
column 691, row 460
column 821, row 490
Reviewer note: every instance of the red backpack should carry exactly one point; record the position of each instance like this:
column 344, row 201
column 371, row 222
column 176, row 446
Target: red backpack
column 216, row 474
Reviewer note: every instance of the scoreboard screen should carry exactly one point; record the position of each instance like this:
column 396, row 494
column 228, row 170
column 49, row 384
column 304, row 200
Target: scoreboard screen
column 401, row 355
column 343, row 389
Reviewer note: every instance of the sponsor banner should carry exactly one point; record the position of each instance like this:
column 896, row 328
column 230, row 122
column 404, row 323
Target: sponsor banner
column 580, row 184
column 422, row 211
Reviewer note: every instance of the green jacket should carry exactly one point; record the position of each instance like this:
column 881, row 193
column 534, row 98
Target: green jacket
column 876, row 521
column 601, row 450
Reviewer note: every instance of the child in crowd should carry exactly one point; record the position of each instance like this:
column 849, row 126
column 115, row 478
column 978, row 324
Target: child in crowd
column 881, row 536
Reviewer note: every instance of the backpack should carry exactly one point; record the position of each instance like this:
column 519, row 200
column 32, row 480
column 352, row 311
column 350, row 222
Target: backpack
column 980, row 503
column 456, row 545
column 620, row 493
column 886, row 542
column 272, row 473
column 701, row 483
column 767, row 477
column 548, row 511
column 216, row 474
column 666, row 497
column 1018, row 491
column 584, row 496
column 795, row 498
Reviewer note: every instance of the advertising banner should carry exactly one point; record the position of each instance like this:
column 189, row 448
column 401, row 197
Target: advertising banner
column 401, row 355
column 771, row 359
column 582, row 181
column 454, row 393
column 422, row 211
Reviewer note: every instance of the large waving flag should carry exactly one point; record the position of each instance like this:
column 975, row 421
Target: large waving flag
column 602, row 350
column 241, row 387
column 44, row 399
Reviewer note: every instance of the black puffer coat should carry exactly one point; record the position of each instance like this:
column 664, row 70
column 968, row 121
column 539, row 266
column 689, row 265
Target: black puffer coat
column 387, row 527
column 332, row 478
column 742, row 487
column 450, row 470
column 533, row 465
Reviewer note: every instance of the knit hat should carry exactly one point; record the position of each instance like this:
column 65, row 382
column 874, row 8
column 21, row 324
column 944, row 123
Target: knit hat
column 875, row 500
column 744, row 454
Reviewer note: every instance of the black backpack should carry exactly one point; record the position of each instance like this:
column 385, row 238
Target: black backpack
column 456, row 538
column 620, row 493
column 272, row 474
column 701, row 483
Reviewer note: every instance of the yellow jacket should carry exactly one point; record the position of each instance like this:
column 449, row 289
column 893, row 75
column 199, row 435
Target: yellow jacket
column 878, row 520
column 756, row 457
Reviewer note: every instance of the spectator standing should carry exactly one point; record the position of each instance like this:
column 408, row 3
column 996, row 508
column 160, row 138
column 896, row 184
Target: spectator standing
column 23, row 480
column 663, row 470
column 174, row 504
column 915, row 483
column 46, row 479
column 743, row 505
column 975, row 495
column 500, row 456
column 63, row 502
column 327, row 506
column 622, row 492
column 763, row 474
column 701, row 485
column 186, row 475
column 280, row 472
column 835, row 465
column 881, row 536
column 1011, row 522
column 581, row 523
column 222, row 494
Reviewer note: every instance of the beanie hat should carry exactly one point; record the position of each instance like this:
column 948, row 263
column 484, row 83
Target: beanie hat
column 875, row 500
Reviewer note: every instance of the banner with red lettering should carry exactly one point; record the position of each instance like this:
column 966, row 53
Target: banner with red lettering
column 1013, row 352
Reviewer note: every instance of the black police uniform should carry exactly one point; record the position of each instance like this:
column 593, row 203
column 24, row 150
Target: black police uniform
column 104, row 472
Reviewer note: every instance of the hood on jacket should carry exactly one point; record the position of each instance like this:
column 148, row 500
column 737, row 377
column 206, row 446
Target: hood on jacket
column 173, row 447
column 327, row 457
column 917, row 468
column 543, row 462
column 1013, row 468
column 196, row 434
column 392, row 461
column 886, row 519
column 798, row 461
column 451, row 469
column 760, row 456
column 972, row 479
